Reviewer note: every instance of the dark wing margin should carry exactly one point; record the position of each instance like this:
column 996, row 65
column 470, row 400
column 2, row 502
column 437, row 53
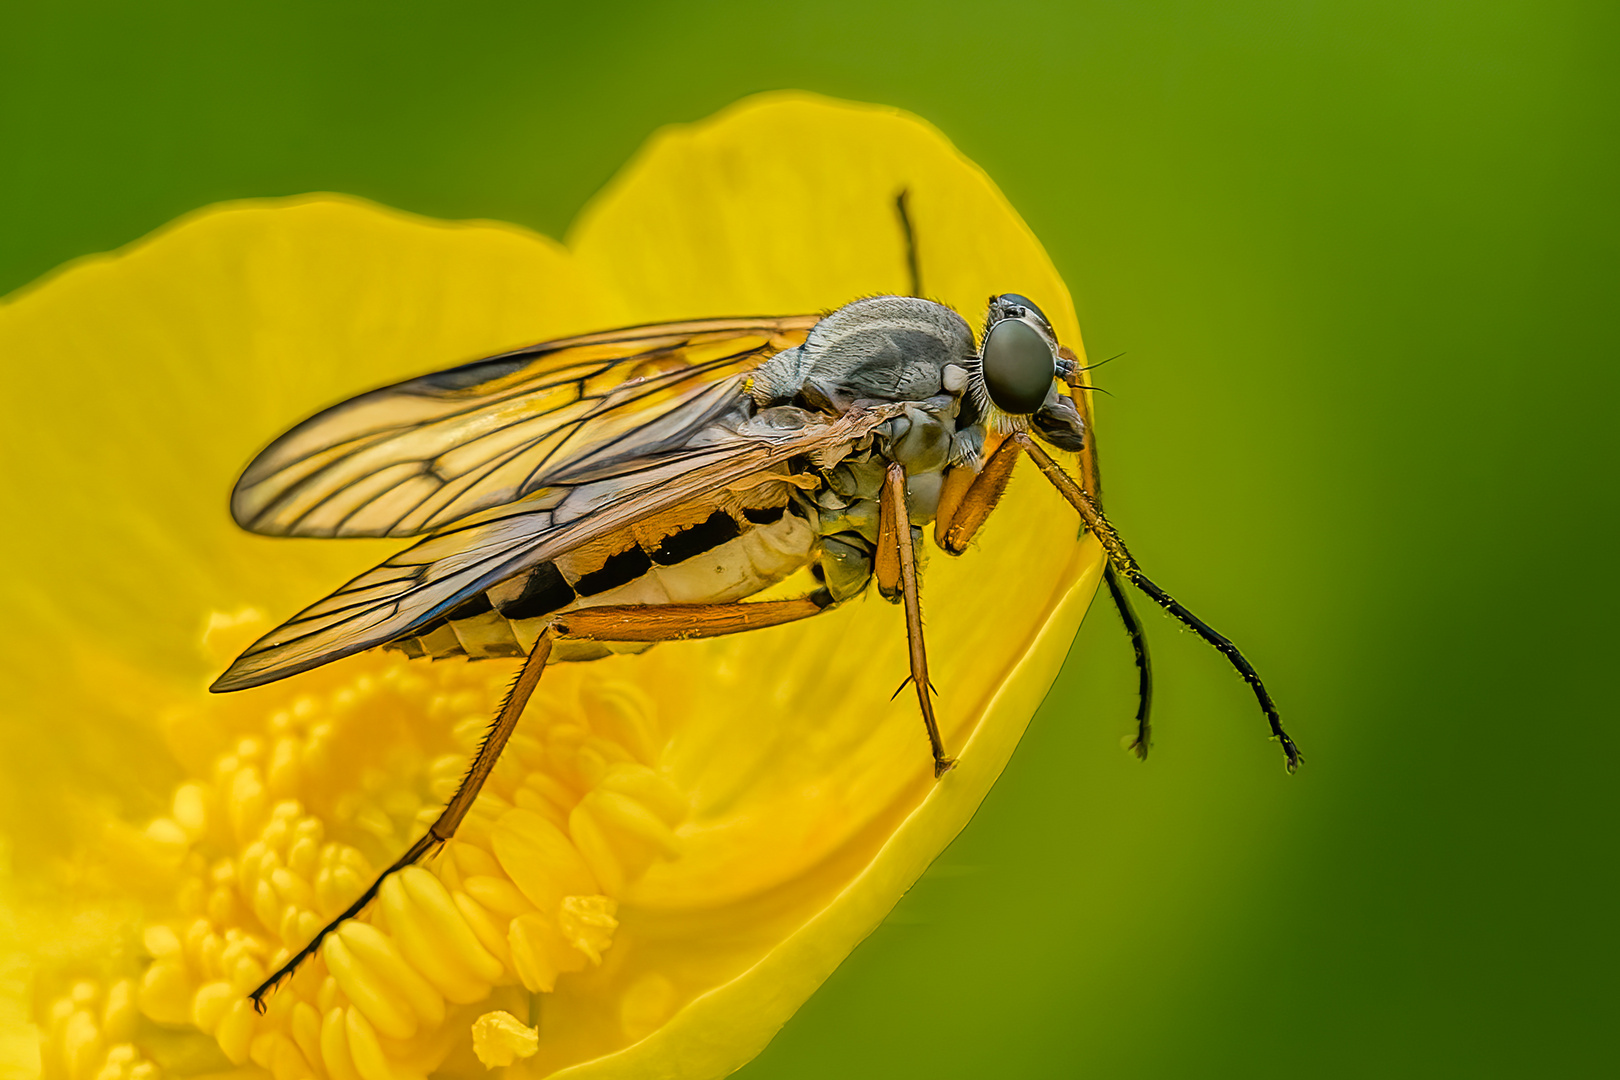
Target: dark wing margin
column 434, row 575
column 417, row 456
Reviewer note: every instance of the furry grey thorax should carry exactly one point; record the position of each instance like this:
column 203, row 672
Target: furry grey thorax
column 889, row 349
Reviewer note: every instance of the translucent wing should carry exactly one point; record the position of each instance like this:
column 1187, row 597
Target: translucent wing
column 434, row 575
column 419, row 455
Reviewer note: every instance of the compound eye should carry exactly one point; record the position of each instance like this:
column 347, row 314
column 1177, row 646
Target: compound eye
column 1018, row 367
column 1026, row 303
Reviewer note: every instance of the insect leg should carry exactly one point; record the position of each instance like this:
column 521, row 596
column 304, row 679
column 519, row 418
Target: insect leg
column 894, row 503
column 1144, row 662
column 954, row 529
column 960, row 520
column 444, row 827
column 1120, row 560
column 886, row 559
column 1080, row 388
column 902, row 204
column 678, row 622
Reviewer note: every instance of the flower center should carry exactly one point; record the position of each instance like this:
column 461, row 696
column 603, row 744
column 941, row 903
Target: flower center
column 310, row 790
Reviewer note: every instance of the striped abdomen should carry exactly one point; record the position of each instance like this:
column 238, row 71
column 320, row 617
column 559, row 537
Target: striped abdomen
column 697, row 554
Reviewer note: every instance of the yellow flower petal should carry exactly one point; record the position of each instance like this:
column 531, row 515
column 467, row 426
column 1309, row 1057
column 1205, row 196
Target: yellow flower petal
column 137, row 386
column 676, row 848
column 785, row 202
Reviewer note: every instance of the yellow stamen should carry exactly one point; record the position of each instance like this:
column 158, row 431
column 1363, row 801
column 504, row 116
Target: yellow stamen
column 541, row 861
column 499, row 1038
column 587, row 923
column 308, row 794
column 434, row 938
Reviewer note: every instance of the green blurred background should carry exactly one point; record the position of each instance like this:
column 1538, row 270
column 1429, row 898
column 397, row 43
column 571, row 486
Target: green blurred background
column 1362, row 260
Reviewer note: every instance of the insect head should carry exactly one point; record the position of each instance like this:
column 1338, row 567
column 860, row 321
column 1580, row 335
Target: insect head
column 1019, row 357
column 1018, row 363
